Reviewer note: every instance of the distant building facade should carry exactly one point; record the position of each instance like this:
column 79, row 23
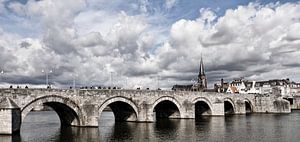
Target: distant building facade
column 182, row 87
column 277, row 87
column 200, row 85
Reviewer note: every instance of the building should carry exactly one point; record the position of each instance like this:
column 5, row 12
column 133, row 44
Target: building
column 277, row 87
column 222, row 87
column 182, row 87
column 232, row 90
column 200, row 85
column 294, row 89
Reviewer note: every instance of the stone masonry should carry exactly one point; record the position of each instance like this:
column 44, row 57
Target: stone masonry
column 84, row 107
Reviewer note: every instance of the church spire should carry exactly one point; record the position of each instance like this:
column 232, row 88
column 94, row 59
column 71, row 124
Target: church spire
column 201, row 77
column 201, row 70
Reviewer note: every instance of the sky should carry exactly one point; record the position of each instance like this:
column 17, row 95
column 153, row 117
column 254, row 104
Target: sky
column 147, row 43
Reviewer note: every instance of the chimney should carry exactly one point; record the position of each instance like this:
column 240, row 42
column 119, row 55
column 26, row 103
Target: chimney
column 222, row 85
column 222, row 82
column 253, row 84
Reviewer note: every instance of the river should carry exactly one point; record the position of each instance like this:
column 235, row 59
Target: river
column 45, row 127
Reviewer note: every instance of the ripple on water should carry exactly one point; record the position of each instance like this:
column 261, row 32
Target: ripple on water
column 45, row 126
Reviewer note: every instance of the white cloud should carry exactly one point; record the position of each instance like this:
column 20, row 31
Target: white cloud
column 95, row 21
column 170, row 3
column 242, row 41
column 256, row 41
column 17, row 7
column 144, row 6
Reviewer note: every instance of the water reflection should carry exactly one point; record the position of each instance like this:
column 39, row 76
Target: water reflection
column 109, row 130
column 78, row 134
column 209, row 129
column 40, row 126
column 45, row 126
column 6, row 138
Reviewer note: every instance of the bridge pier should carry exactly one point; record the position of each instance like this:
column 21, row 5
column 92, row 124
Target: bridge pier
column 188, row 110
column 240, row 107
column 218, row 108
column 90, row 115
column 145, row 113
column 10, row 117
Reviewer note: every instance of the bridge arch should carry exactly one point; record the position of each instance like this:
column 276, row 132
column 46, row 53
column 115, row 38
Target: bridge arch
column 202, row 106
column 124, row 109
column 67, row 110
column 166, row 107
column 229, row 106
column 248, row 106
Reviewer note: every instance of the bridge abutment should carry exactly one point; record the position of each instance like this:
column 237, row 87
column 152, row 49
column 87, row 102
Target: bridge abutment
column 271, row 105
column 10, row 117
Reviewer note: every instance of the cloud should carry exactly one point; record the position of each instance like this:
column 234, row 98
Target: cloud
column 95, row 41
column 2, row 8
column 144, row 6
column 247, row 41
column 170, row 3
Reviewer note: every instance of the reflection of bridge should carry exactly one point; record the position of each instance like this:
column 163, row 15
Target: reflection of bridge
column 84, row 107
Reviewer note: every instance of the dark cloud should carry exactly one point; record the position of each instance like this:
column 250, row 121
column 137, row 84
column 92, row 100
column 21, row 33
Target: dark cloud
column 24, row 44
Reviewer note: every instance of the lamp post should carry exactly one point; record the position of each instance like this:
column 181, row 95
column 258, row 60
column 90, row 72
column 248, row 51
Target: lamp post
column 111, row 79
column 126, row 82
column 169, row 82
column 74, row 81
column 1, row 73
column 47, row 76
column 158, row 77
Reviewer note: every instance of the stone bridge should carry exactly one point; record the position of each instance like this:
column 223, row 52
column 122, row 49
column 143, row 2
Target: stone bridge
column 84, row 107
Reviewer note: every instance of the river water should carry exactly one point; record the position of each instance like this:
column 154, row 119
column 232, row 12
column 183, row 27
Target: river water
column 45, row 126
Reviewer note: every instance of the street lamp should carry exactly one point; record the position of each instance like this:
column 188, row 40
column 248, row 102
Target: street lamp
column 126, row 82
column 47, row 76
column 2, row 72
column 74, row 81
column 111, row 79
column 158, row 77
column 169, row 82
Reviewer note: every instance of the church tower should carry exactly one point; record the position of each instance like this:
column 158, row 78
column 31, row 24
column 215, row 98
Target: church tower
column 202, row 80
